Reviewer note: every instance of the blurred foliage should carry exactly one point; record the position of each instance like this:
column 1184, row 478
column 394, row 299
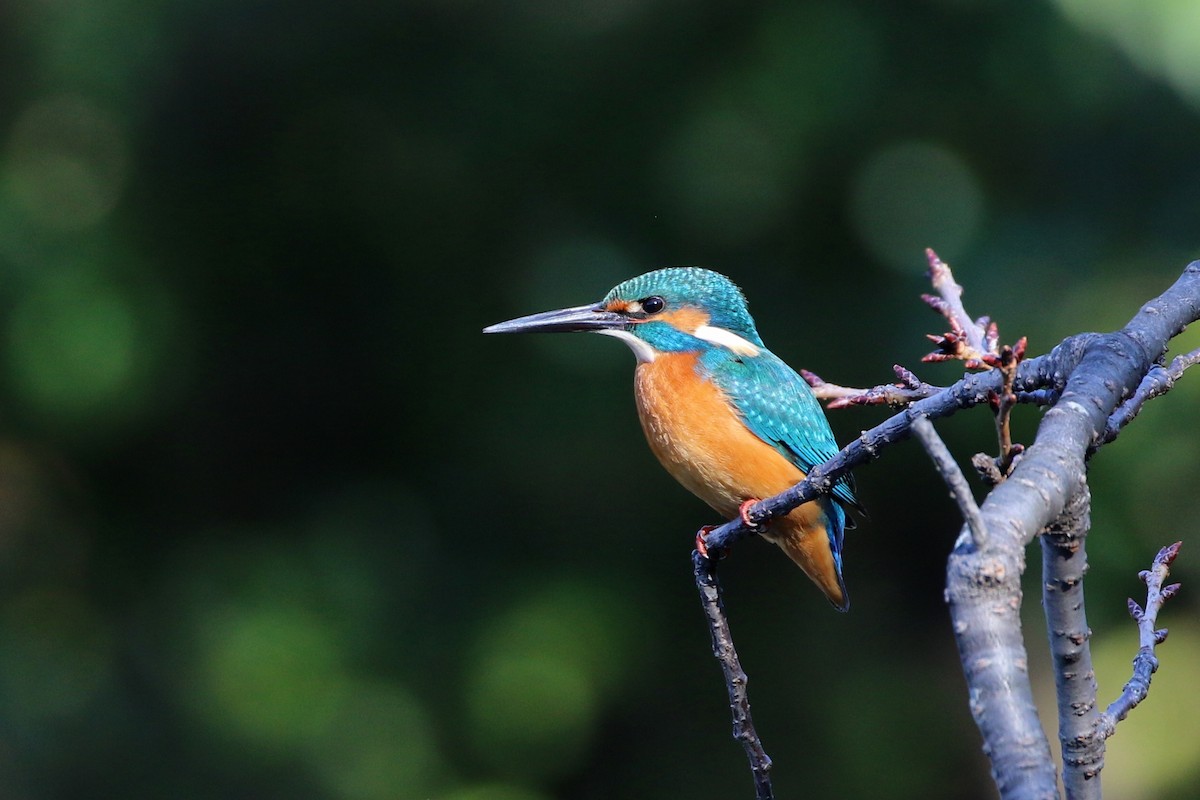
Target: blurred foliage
column 276, row 521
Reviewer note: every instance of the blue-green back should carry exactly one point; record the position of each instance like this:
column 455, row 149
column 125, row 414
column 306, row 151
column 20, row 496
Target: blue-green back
column 778, row 407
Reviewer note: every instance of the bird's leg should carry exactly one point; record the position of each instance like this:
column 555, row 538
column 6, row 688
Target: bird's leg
column 744, row 513
column 702, row 541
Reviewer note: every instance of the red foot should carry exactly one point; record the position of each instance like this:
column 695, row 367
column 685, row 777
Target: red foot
column 744, row 513
column 702, row 539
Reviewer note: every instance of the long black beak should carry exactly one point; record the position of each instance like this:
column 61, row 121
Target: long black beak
column 580, row 318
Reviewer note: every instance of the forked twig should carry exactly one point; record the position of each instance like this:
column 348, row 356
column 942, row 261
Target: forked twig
column 1002, row 405
column 972, row 341
column 1145, row 663
column 909, row 389
column 1158, row 381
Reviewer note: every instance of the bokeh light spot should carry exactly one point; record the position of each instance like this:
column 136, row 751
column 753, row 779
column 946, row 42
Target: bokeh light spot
column 542, row 665
column 811, row 65
column 271, row 674
column 726, row 177
column 1179, row 53
column 574, row 622
column 73, row 345
column 739, row 161
column 1158, row 35
column 66, row 162
column 378, row 746
column 914, row 195
column 530, row 716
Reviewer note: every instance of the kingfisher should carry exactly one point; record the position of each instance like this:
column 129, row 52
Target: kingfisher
column 724, row 415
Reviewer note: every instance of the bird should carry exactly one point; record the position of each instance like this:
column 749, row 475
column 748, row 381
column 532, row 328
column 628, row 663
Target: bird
column 726, row 417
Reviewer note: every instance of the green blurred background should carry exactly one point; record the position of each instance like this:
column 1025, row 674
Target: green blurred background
column 277, row 521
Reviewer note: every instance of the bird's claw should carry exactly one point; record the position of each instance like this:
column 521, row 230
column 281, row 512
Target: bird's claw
column 702, row 542
column 744, row 513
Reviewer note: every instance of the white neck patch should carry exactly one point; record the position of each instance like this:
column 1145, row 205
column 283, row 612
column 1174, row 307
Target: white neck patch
column 641, row 350
column 727, row 339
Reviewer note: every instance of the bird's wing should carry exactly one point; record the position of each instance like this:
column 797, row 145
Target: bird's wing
column 779, row 408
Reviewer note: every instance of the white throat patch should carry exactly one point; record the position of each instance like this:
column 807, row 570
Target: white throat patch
column 641, row 350
column 727, row 339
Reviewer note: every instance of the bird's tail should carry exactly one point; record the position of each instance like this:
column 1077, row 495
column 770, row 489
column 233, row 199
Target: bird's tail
column 811, row 535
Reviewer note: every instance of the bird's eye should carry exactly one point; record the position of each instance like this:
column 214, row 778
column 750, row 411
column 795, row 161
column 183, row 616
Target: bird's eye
column 653, row 305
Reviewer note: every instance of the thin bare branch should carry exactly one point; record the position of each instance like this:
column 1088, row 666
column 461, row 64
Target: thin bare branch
column 1009, row 359
column 1145, row 664
column 705, row 572
column 967, row 340
column 948, row 468
column 1036, row 373
column 1158, row 381
column 975, row 342
column 908, row 390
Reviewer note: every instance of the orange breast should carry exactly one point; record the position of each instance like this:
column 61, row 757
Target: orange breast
column 698, row 437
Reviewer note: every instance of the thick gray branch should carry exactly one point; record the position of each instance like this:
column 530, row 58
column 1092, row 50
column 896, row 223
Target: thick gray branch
column 1090, row 374
column 1064, row 563
column 983, row 586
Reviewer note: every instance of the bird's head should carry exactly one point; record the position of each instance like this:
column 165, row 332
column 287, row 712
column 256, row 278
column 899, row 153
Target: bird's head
column 677, row 309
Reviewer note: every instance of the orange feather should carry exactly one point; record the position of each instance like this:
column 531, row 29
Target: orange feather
column 695, row 432
column 685, row 319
